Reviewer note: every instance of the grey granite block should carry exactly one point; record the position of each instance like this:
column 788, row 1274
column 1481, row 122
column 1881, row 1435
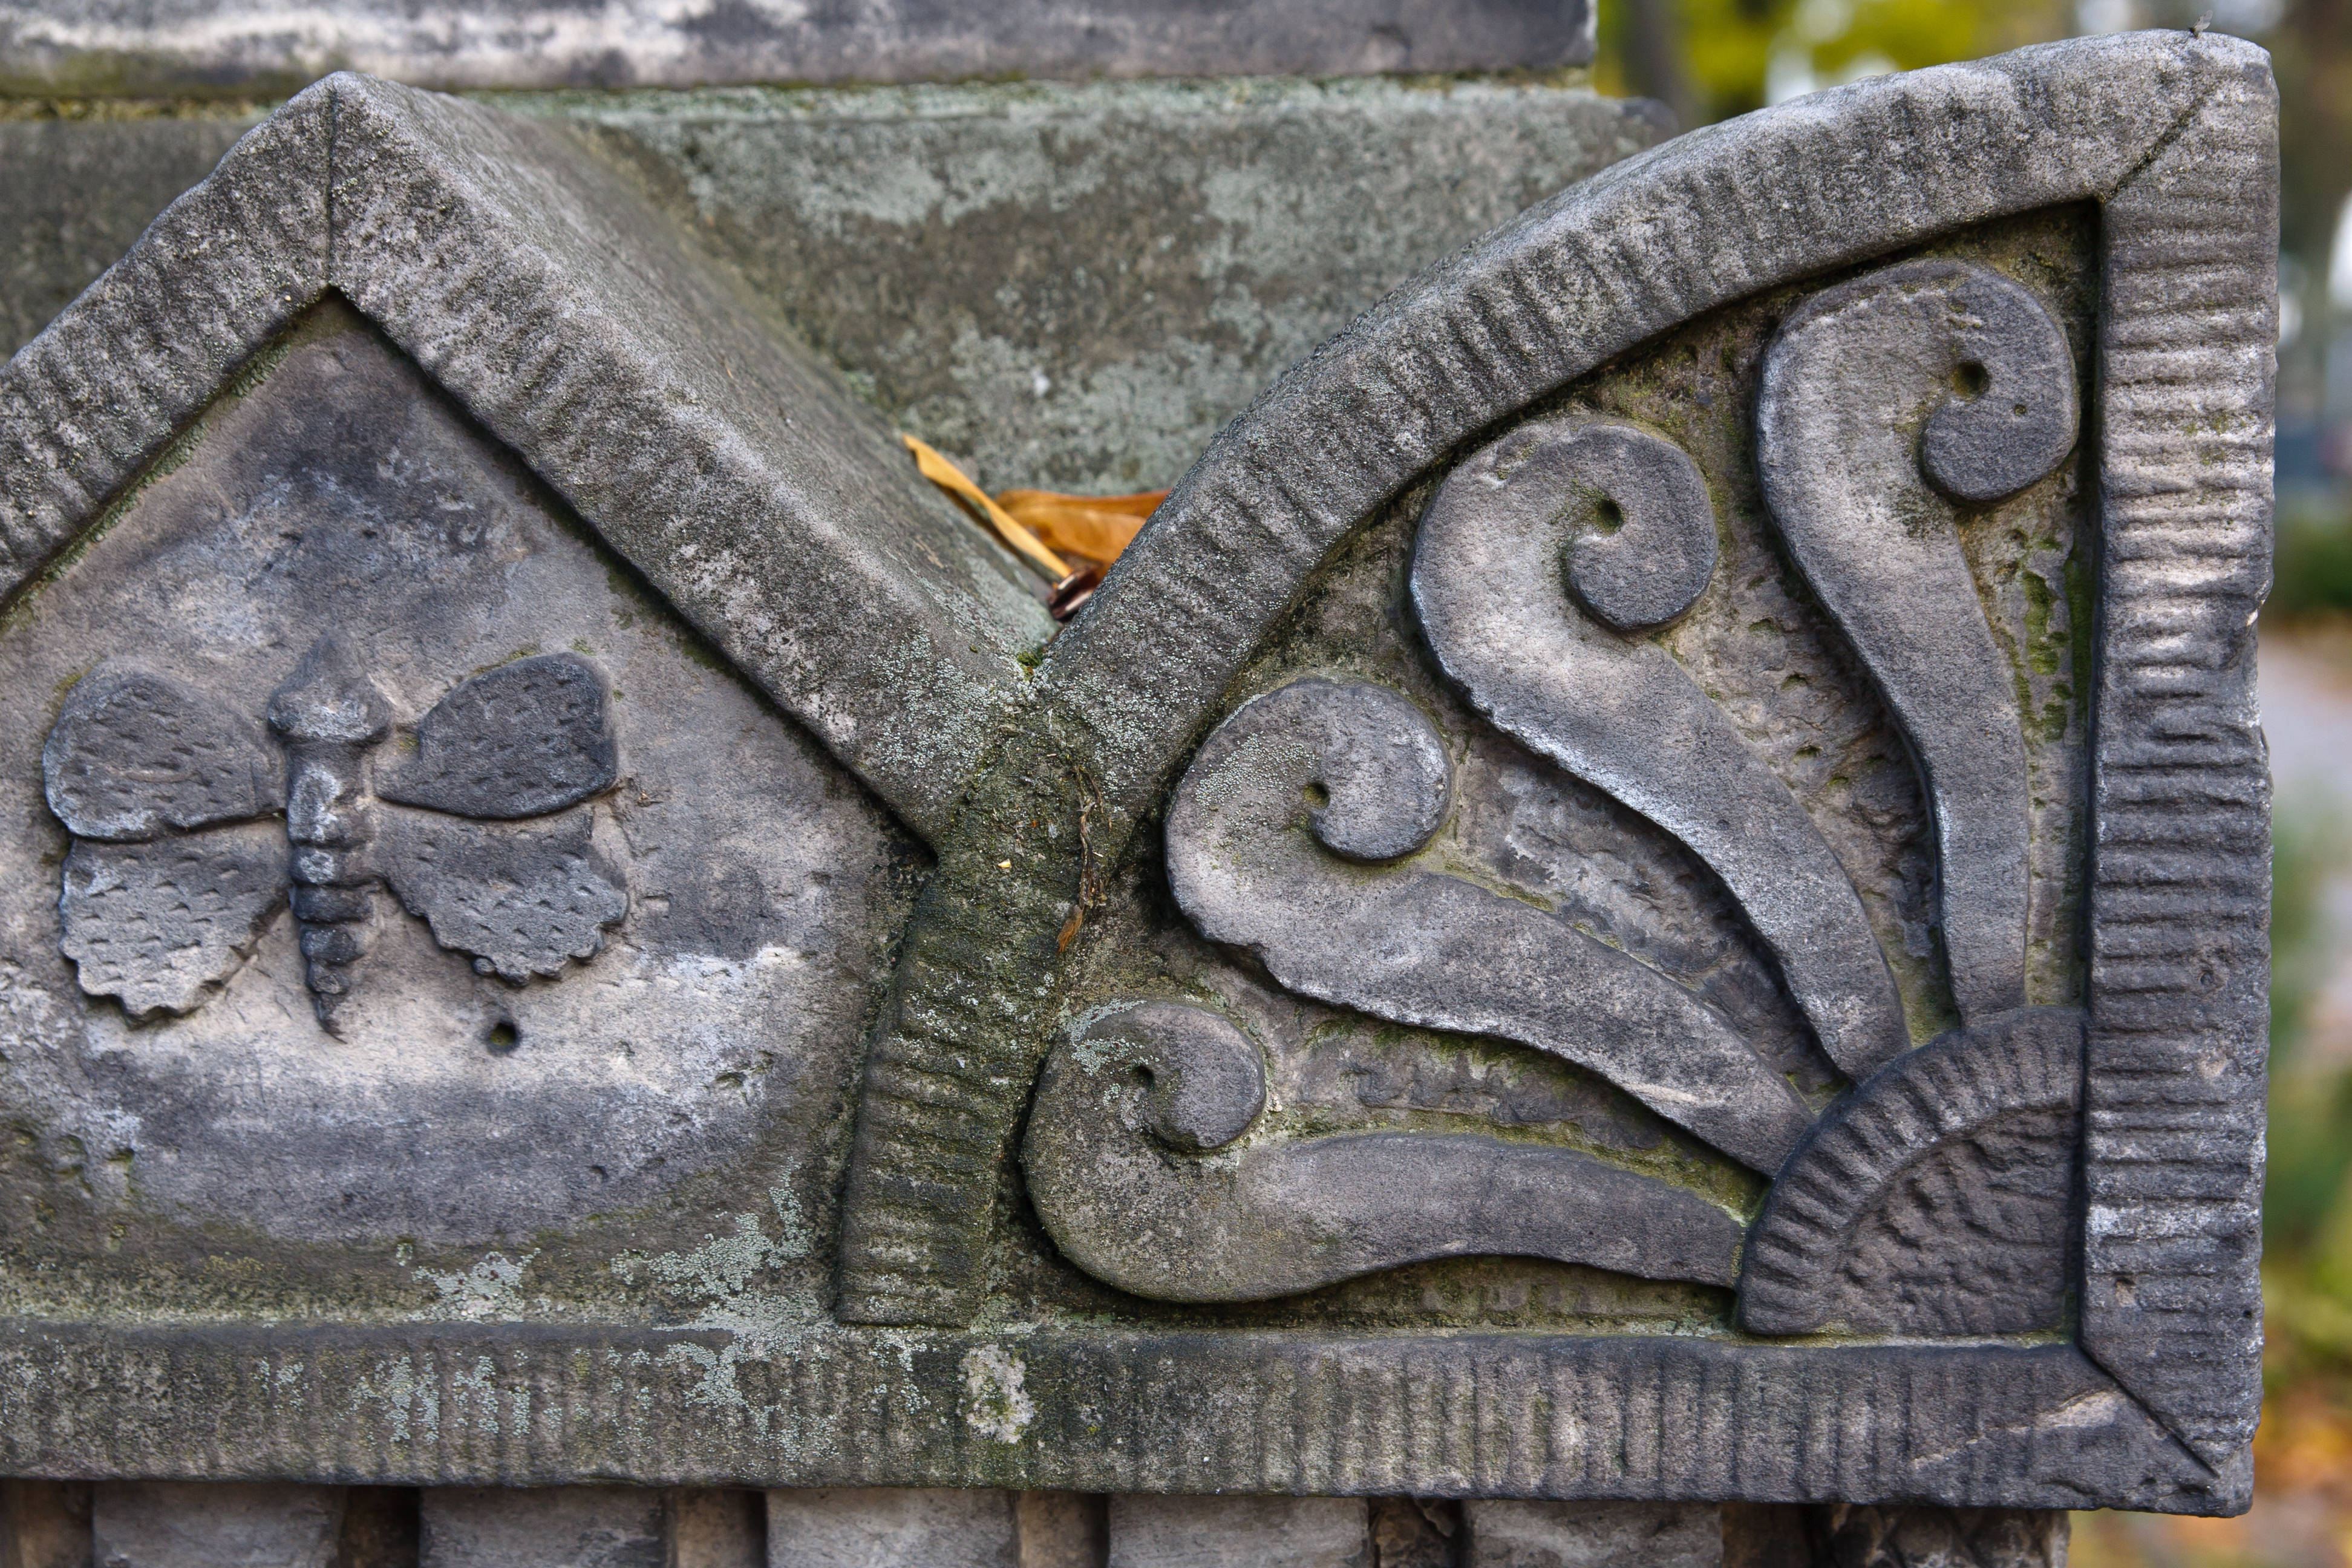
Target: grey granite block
column 543, row 1527
column 177, row 1524
column 1591, row 1535
column 885, row 1528
column 1239, row 1532
column 568, row 926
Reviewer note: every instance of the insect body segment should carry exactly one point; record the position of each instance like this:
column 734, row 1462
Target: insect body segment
column 328, row 715
column 168, row 793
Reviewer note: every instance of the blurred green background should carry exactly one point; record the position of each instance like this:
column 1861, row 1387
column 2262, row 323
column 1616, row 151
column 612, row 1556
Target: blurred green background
column 1708, row 60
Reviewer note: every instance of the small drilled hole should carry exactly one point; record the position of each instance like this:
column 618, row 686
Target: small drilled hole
column 1611, row 515
column 1970, row 379
column 502, row 1039
column 1316, row 795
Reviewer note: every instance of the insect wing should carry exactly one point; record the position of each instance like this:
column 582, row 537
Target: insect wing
column 527, row 737
column 134, row 753
column 158, row 923
column 522, row 898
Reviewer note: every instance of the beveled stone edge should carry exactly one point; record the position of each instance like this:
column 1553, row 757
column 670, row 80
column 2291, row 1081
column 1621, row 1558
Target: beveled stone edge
column 1690, row 225
column 2178, row 882
column 1665, row 1418
column 900, row 660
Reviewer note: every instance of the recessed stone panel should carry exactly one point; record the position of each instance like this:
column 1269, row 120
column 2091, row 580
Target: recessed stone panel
column 591, row 913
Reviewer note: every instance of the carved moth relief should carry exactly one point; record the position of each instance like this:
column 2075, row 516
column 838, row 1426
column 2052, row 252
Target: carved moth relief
column 1891, row 413
column 191, row 824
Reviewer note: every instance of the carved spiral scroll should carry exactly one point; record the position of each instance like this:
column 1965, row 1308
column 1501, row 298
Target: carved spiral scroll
column 1263, row 843
column 1941, row 371
column 1644, row 547
column 1623, row 716
column 1122, row 1162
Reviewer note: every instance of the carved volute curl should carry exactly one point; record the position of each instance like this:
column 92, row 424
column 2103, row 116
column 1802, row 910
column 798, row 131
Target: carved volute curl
column 1619, row 713
column 1131, row 1166
column 1316, row 771
column 1644, row 547
column 1884, row 402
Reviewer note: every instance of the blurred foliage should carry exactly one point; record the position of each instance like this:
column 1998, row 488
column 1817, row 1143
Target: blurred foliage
column 1719, row 53
column 2314, row 573
column 2305, row 1210
column 2311, row 51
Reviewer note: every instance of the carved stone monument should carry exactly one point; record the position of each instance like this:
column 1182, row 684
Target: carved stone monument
column 1649, row 884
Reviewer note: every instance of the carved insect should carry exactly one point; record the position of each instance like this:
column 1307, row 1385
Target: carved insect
column 474, row 820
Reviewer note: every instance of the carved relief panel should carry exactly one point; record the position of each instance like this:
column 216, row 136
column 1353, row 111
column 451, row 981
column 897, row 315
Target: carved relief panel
column 1714, row 735
column 1648, row 882
column 410, row 880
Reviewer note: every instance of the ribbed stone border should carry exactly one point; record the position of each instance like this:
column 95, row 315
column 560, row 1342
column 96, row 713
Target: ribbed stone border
column 1479, row 1415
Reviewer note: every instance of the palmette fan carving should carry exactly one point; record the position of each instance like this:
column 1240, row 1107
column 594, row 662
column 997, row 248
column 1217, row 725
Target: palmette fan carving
column 174, row 868
column 1546, row 559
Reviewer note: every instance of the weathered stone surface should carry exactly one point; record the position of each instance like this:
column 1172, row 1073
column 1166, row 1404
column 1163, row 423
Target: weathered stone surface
column 1935, row 1198
column 530, row 737
column 1591, row 1535
column 176, row 1524
column 1238, row 1532
column 522, row 898
column 74, row 194
column 640, row 420
column 733, row 469
column 546, row 1527
column 1187, row 1409
column 945, row 245
column 885, row 1528
column 97, row 396
column 134, row 753
column 1644, row 540
column 1077, row 286
column 2173, row 1099
column 158, row 924
column 71, row 45
column 1235, row 567
column 341, row 492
